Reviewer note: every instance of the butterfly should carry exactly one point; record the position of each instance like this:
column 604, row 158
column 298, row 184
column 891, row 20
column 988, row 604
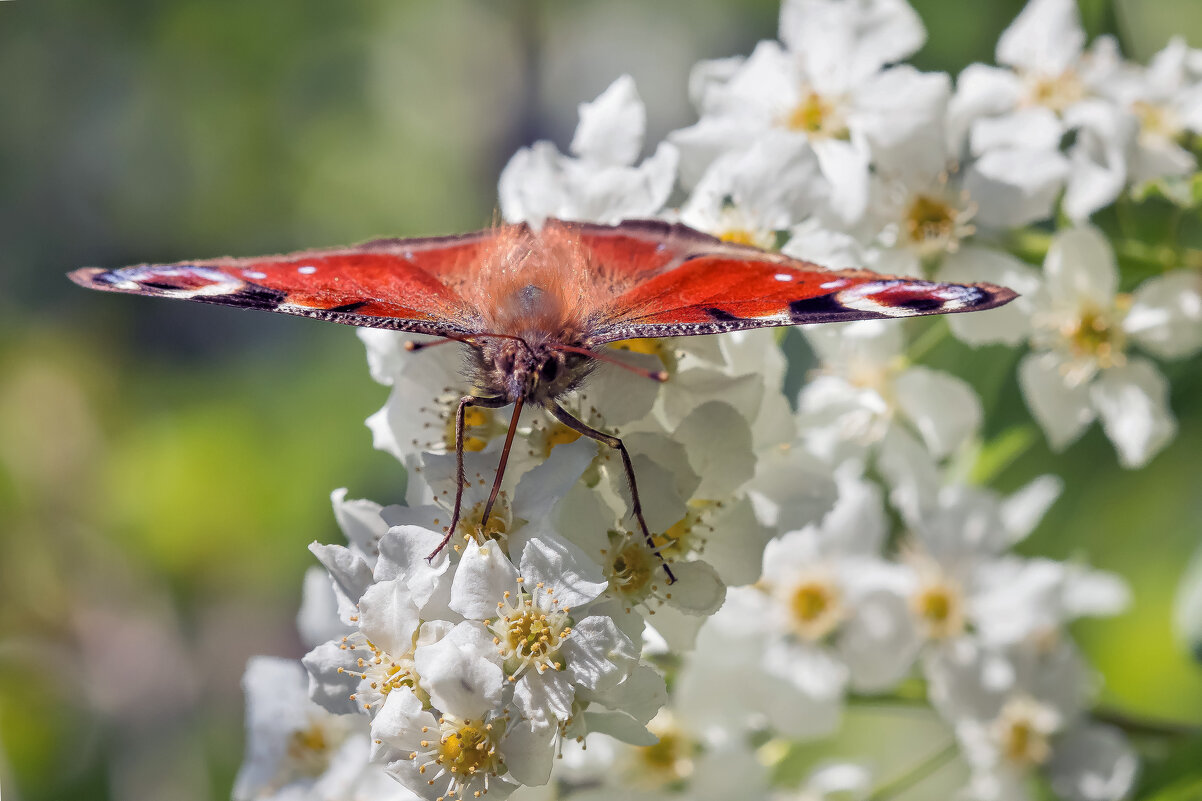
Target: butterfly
column 536, row 306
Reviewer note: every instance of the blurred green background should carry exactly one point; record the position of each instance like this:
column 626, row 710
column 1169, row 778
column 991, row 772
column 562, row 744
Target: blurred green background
column 163, row 466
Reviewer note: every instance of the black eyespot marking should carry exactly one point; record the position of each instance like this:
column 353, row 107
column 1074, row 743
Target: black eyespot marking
column 346, row 308
column 817, row 309
column 549, row 371
column 921, row 304
column 259, row 297
column 720, row 316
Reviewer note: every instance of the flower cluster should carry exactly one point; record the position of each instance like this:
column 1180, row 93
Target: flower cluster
column 828, row 546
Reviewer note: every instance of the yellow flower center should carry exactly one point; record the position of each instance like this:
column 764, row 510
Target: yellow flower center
column 933, row 226
column 630, row 567
column 528, row 636
column 500, row 522
column 309, row 750
column 815, row 606
column 1093, row 334
column 817, row 117
column 939, row 609
column 1056, row 92
column 1023, row 729
column 468, row 749
column 477, row 425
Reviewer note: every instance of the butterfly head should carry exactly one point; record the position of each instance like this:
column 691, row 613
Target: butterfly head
column 537, row 371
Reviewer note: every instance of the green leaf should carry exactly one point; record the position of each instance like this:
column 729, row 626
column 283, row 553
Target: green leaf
column 1178, row 777
column 1001, row 451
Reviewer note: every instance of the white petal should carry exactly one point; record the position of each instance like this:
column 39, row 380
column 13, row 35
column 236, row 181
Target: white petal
column 846, row 42
column 544, row 486
column 1166, row 315
column 1008, row 325
column 818, row 677
column 529, row 753
column 359, row 520
column 621, row 727
column 317, row 619
column 1098, row 157
column 879, row 642
column 698, row 590
column 1094, row 593
column 857, row 524
column 530, row 188
column 944, row 409
column 1132, row 401
column 845, row 167
column 1093, row 763
column 641, row 695
column 349, row 573
column 611, row 127
column 460, row 671
column 1035, row 128
column 1046, row 37
column 718, row 441
column 598, row 654
column 388, row 617
column 1062, row 409
column 1013, row 187
column 482, row 579
column 900, row 113
column 981, row 91
column 735, row 546
column 545, row 698
column 563, row 568
column 1025, row 507
column 328, row 686
column 1080, row 268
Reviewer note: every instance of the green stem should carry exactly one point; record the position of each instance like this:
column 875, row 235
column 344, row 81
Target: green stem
column 920, row 772
column 927, row 340
column 1132, row 724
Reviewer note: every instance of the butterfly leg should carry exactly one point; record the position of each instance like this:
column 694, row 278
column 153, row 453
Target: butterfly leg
column 460, row 416
column 496, row 484
column 580, row 426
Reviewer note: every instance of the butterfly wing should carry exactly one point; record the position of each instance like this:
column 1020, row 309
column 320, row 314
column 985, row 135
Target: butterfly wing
column 683, row 283
column 402, row 284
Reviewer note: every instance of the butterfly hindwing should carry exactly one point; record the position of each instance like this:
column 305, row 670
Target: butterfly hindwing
column 402, row 284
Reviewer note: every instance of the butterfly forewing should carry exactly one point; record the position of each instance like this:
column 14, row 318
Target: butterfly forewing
column 737, row 288
column 402, row 284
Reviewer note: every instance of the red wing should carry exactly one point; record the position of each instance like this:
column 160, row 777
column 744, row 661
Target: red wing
column 402, row 284
column 733, row 287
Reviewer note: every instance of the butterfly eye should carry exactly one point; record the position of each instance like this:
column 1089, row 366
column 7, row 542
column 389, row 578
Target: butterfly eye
column 550, row 370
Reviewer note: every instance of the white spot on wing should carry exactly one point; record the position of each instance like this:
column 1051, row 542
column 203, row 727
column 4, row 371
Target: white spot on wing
column 308, row 269
column 254, row 275
column 783, row 277
column 832, row 284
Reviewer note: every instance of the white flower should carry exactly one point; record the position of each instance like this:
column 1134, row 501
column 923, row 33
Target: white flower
column 1080, row 369
column 549, row 645
column 1167, row 102
column 747, row 196
column 827, row 614
column 825, row 85
column 866, row 387
column 844, row 781
column 1020, row 710
column 296, row 750
column 682, row 761
column 961, row 578
column 458, row 755
column 1014, row 119
column 602, row 183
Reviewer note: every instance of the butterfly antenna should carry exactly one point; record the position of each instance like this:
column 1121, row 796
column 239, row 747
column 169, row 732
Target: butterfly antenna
column 655, row 375
column 414, row 347
column 496, row 484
